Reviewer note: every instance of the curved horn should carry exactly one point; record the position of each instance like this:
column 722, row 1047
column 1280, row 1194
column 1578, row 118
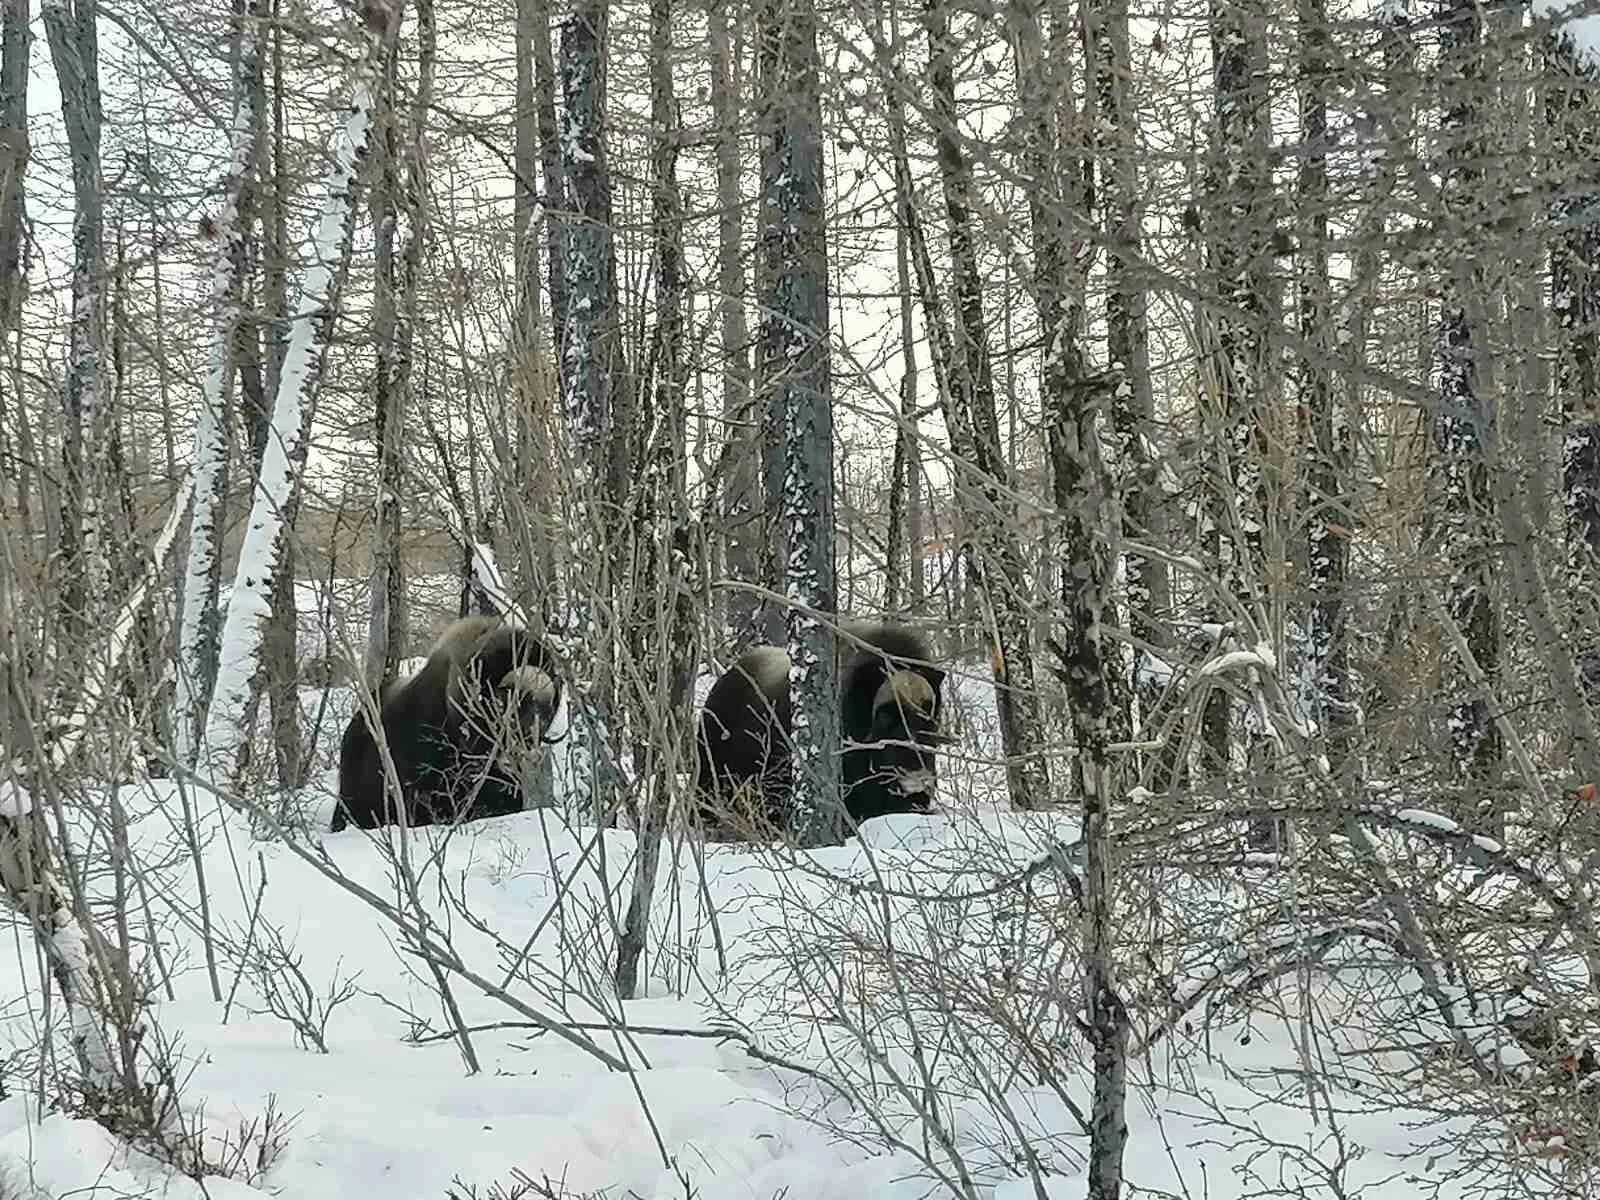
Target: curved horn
column 530, row 681
column 906, row 690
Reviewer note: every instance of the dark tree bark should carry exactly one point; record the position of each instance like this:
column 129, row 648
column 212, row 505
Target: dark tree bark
column 904, row 583
column 796, row 390
column 1328, row 519
column 15, row 41
column 1463, row 531
column 532, row 501
column 1238, row 215
column 593, row 389
column 1149, row 589
column 1571, row 111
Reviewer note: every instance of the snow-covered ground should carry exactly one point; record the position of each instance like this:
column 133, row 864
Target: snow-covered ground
column 826, row 1094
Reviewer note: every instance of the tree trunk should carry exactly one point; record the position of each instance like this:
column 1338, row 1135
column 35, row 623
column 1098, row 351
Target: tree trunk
column 975, row 436
column 15, row 41
column 535, row 566
column 1148, row 588
column 741, row 510
column 1328, row 517
column 266, row 342
column 1238, row 210
column 591, row 364
column 550, row 166
column 904, row 583
column 1575, row 301
column 398, row 218
column 229, row 717
column 1088, row 665
column 199, row 621
column 1464, row 529
column 795, row 388
column 74, row 53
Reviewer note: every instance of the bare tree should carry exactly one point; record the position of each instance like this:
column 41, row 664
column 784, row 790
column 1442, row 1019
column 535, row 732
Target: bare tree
column 399, row 223
column 200, row 623
column 668, row 625
column 233, row 702
column 988, row 502
column 905, row 582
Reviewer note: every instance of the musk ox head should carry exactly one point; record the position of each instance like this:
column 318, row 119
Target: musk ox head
column 505, row 694
column 905, row 732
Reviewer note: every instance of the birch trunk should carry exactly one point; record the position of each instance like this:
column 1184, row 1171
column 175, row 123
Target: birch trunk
column 1088, row 662
column 228, row 718
column 199, row 623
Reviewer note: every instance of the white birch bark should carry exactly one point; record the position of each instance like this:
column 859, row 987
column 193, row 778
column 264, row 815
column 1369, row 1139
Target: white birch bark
column 228, row 717
column 198, row 619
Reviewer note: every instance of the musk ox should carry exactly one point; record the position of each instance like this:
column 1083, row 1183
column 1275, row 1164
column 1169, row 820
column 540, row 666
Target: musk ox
column 889, row 706
column 455, row 729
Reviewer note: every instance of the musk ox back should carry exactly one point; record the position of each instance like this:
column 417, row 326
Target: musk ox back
column 890, row 705
column 457, row 730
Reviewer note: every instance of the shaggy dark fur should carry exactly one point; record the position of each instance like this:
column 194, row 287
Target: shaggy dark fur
column 448, row 732
column 890, row 697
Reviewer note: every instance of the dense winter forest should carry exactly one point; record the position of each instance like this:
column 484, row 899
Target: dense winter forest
column 1019, row 582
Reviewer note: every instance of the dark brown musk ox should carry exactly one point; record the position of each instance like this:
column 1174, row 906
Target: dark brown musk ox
column 890, row 698
column 456, row 730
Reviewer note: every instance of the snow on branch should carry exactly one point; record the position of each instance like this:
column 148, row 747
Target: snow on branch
column 310, row 325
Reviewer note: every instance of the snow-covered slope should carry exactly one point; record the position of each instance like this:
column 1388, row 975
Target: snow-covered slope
column 824, row 1094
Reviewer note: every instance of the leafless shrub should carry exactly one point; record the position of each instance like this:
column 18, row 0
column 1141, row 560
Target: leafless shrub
column 291, row 997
